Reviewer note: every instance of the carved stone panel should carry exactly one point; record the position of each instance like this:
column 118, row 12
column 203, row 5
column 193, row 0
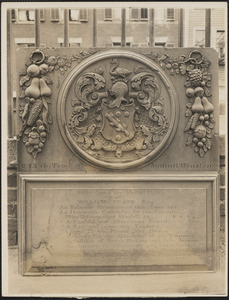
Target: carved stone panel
column 118, row 110
column 99, row 224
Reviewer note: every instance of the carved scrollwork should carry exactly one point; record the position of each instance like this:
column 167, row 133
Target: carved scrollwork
column 109, row 120
column 86, row 90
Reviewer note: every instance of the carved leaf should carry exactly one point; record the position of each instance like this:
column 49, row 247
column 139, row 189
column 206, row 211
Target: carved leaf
column 50, row 119
column 162, row 64
column 87, row 84
column 25, row 139
column 156, row 138
column 34, row 154
column 205, row 148
column 207, row 91
column 160, row 101
column 201, row 152
column 22, row 95
column 51, row 68
column 163, row 57
column 27, row 131
column 47, row 79
column 25, row 112
column 208, row 144
column 189, row 140
column 183, row 69
column 87, row 142
column 196, row 149
column 188, row 112
column 24, row 79
column 189, row 105
column 80, row 139
column 208, row 135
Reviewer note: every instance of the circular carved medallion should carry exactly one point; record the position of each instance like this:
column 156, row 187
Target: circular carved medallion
column 117, row 110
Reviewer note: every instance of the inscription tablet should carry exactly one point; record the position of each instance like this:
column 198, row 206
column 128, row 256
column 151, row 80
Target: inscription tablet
column 119, row 226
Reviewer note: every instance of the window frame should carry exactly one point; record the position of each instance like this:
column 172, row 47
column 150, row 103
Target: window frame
column 57, row 18
column 194, row 36
column 17, row 21
column 108, row 18
column 139, row 14
column 169, row 19
column 84, row 19
column 216, row 46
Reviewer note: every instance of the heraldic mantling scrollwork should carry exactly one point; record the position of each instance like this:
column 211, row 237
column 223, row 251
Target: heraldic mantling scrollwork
column 128, row 116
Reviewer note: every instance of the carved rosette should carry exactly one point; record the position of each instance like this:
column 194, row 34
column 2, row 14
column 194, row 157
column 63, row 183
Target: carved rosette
column 199, row 108
column 36, row 93
column 120, row 110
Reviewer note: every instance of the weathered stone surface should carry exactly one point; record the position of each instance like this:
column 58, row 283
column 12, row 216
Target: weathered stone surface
column 89, row 113
column 173, row 75
column 12, row 152
column 12, row 178
column 119, row 226
column 12, row 231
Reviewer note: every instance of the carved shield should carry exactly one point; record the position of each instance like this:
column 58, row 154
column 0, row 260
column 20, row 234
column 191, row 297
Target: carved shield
column 118, row 123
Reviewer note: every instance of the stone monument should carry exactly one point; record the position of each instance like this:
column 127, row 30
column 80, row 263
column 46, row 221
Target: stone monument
column 118, row 161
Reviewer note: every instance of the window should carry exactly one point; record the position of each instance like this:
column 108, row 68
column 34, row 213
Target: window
column 42, row 15
column 170, row 14
column 160, row 44
column 76, row 15
column 25, row 15
column 139, row 14
column 117, row 44
column 13, row 15
column 55, row 15
column 199, row 38
column 83, row 14
column 73, row 15
column 108, row 14
column 220, row 43
column 144, row 13
column 73, row 42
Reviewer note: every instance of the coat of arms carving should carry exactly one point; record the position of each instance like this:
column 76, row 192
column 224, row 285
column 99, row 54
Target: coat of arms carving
column 118, row 111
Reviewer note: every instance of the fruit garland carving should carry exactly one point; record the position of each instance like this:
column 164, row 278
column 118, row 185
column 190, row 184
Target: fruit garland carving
column 199, row 109
column 36, row 96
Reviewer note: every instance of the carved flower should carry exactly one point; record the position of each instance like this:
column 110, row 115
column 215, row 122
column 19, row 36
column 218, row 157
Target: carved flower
column 173, row 66
column 61, row 62
column 52, row 60
column 21, row 108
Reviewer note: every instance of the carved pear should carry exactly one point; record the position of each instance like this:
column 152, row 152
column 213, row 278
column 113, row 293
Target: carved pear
column 33, row 91
column 197, row 106
column 45, row 90
column 208, row 107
